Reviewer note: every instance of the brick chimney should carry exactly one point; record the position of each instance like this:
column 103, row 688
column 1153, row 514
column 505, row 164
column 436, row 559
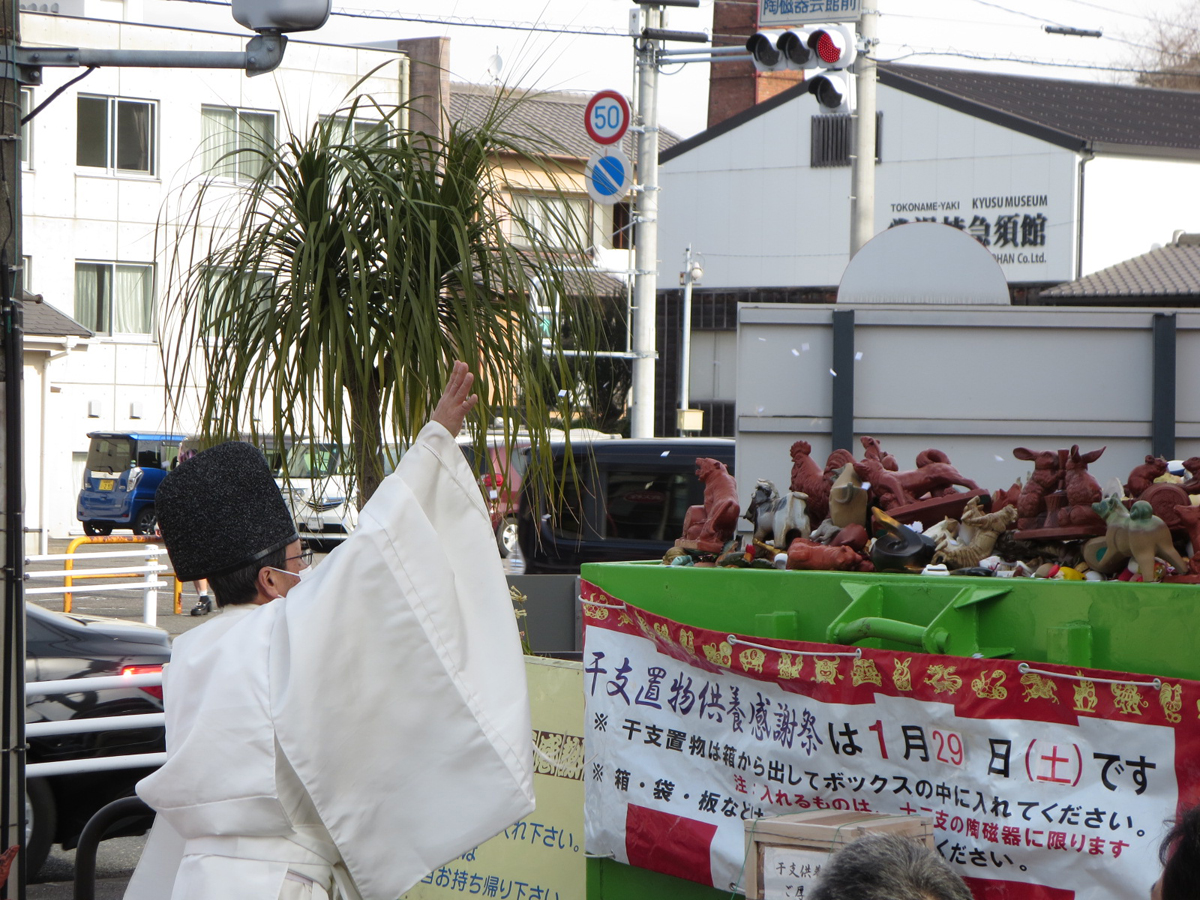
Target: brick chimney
column 737, row 86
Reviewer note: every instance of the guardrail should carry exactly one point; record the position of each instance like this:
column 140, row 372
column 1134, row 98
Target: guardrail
column 150, row 571
column 112, row 539
column 98, row 723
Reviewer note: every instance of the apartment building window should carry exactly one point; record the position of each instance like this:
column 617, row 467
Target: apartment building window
column 114, row 298
column 27, row 128
column 562, row 221
column 235, row 141
column 115, row 134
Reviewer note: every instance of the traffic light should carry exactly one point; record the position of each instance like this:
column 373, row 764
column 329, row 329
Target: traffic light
column 828, row 50
column 833, row 50
column 774, row 49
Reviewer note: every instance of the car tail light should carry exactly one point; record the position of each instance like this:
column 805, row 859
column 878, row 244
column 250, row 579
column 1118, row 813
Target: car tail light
column 152, row 690
column 493, row 480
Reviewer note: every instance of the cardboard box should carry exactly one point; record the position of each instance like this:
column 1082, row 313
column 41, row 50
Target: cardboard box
column 784, row 854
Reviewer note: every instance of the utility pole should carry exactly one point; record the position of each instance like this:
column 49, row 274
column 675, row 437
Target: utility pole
column 645, row 288
column 12, row 620
column 862, row 161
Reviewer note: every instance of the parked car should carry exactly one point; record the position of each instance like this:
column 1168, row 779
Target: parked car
column 77, row 646
column 320, row 491
column 627, row 503
column 120, row 478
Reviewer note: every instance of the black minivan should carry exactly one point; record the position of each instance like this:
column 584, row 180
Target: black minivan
column 628, row 502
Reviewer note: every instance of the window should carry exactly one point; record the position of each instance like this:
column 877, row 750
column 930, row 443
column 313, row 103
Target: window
column 218, row 283
column 622, row 226
column 114, row 298
column 27, row 128
column 235, row 141
column 114, row 134
column 832, row 140
column 561, row 221
column 647, row 506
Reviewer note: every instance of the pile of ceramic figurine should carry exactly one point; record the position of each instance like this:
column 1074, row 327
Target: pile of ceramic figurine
column 866, row 515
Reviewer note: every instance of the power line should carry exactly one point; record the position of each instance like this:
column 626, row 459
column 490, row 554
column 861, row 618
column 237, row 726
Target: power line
column 381, row 15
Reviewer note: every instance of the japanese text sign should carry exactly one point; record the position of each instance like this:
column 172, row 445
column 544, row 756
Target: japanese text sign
column 1054, row 781
column 777, row 13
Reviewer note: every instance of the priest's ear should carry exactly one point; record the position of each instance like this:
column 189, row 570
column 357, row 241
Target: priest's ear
column 272, row 583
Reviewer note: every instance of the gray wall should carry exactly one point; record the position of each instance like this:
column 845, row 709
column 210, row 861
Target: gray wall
column 972, row 382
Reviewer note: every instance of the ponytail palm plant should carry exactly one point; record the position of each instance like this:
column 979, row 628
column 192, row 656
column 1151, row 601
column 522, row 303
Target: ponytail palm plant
column 328, row 295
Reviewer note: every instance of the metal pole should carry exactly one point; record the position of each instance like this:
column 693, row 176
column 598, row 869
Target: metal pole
column 150, row 591
column 641, row 419
column 685, row 353
column 862, row 162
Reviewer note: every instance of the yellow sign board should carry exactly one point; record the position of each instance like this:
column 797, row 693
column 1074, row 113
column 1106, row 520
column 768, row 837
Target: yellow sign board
column 540, row 857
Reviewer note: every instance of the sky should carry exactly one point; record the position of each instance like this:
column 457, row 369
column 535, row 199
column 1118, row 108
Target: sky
column 992, row 35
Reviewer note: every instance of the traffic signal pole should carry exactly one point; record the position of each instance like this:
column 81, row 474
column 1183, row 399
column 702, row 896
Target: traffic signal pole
column 863, row 119
column 645, row 287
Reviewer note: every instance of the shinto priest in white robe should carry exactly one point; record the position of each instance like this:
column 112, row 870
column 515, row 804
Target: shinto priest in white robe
column 359, row 732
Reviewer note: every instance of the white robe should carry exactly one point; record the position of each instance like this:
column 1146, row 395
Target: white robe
column 367, row 728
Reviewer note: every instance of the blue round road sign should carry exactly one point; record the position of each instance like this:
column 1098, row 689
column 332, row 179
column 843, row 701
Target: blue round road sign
column 608, row 177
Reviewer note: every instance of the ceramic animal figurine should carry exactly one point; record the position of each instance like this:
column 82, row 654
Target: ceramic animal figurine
column 1143, row 476
column 809, row 555
column 872, row 450
column 808, row 478
column 1137, row 532
column 987, row 526
column 1191, row 484
column 837, row 459
column 716, row 521
column 885, row 486
column 847, row 499
column 1190, row 517
column 1081, row 488
column 933, row 477
column 1047, row 473
column 777, row 519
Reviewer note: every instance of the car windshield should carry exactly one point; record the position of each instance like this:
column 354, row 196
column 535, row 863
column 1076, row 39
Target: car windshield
column 110, row 454
column 314, row 461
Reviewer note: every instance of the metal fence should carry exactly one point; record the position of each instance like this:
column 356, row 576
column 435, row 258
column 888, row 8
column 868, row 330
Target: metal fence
column 100, row 723
column 147, row 569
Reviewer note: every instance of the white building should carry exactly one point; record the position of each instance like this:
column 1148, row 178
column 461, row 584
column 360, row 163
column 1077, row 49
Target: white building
column 105, row 162
column 1057, row 178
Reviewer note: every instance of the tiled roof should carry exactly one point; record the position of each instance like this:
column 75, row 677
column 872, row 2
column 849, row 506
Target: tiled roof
column 1168, row 272
column 42, row 318
column 553, row 118
column 1077, row 115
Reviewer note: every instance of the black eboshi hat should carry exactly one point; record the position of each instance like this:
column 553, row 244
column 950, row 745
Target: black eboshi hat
column 221, row 510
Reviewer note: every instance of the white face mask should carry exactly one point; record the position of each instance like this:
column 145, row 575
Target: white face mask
column 301, row 575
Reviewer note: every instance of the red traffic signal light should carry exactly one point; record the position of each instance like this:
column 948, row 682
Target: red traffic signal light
column 833, row 46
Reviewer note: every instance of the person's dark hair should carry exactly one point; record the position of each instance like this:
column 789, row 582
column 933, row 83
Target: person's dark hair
column 888, row 867
column 239, row 586
column 1180, row 855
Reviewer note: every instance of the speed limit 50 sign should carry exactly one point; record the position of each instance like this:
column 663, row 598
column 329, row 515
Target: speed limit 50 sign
column 606, row 117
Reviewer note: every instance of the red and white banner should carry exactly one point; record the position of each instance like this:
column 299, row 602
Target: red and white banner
column 1044, row 782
